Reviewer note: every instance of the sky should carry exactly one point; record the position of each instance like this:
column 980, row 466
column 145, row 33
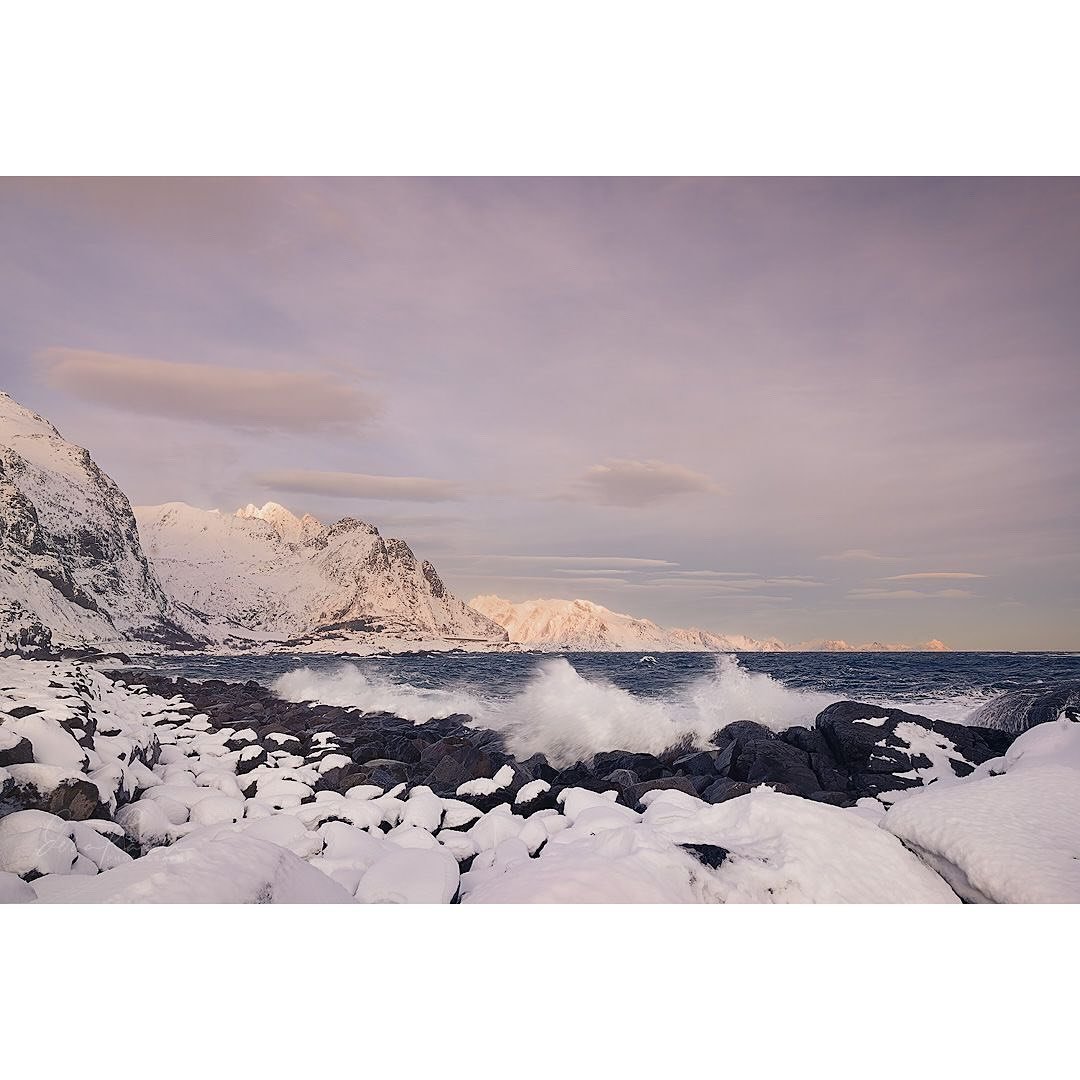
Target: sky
column 814, row 409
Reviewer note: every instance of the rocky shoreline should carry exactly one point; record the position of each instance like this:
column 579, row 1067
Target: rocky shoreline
column 854, row 750
column 226, row 791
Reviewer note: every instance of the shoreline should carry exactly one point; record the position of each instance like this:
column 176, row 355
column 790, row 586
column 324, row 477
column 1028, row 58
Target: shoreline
column 225, row 789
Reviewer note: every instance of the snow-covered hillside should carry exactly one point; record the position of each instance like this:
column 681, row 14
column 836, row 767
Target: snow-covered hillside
column 263, row 570
column 72, row 570
column 873, row 646
column 585, row 626
column 580, row 625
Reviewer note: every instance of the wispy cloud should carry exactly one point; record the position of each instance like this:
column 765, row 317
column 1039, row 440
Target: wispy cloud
column 359, row 485
column 590, row 561
column 730, row 582
column 935, row 575
column 621, row 482
column 860, row 555
column 240, row 397
column 909, row 594
column 584, row 579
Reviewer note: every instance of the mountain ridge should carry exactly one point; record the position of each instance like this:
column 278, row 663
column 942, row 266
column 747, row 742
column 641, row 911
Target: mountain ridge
column 71, row 561
column 264, row 570
column 581, row 625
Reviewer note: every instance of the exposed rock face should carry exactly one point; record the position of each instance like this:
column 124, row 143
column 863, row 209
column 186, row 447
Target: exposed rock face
column 1019, row 710
column 584, row 626
column 264, row 570
column 72, row 569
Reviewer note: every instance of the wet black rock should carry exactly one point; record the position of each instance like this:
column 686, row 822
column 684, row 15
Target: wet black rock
column 834, row 798
column 1019, row 710
column 774, row 762
column 646, row 766
column 723, row 789
column 23, row 710
column 710, row 855
column 251, row 760
column 701, row 763
column 447, row 776
column 21, row 753
column 663, row 783
column 880, row 749
column 742, row 732
column 72, row 800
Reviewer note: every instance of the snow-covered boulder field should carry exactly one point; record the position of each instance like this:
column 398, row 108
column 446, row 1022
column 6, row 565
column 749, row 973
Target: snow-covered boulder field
column 132, row 788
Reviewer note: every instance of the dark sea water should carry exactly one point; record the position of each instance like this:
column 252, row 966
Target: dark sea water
column 606, row 700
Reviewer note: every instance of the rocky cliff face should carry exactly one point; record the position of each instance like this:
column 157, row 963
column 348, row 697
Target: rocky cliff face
column 263, row 570
column 581, row 625
column 72, row 569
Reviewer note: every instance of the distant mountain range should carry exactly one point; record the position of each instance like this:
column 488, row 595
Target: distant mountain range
column 79, row 567
column 75, row 571
column 580, row 625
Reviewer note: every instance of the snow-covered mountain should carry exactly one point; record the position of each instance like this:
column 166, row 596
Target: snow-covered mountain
column 873, row 646
column 581, row 625
column 72, row 570
column 264, row 571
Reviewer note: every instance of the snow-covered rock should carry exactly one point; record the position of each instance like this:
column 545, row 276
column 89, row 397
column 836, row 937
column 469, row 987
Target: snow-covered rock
column 220, row 869
column 262, row 570
column 1002, row 827
column 72, row 569
column 33, row 842
column 410, row 876
column 1009, row 832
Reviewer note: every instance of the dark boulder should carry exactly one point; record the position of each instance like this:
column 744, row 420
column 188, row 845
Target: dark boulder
column 385, row 773
column 831, row 775
column 874, row 744
column 287, row 742
column 539, row 768
column 403, row 749
column 742, row 732
column 447, row 776
column 20, row 753
column 646, row 766
column 724, row 758
column 809, row 739
column 23, row 710
column 775, row 762
column 1019, row 710
column 367, row 751
column 472, row 761
column 702, row 763
column 623, row 781
column 710, row 855
column 72, row 800
column 249, row 760
column 834, row 798
column 723, row 789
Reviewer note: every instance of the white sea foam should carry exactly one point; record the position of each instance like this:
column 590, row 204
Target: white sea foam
column 348, row 684
column 568, row 717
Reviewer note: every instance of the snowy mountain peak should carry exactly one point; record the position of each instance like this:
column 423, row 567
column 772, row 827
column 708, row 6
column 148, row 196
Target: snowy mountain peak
column 291, row 529
column 583, row 625
column 17, row 420
column 265, row 571
column 72, row 569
